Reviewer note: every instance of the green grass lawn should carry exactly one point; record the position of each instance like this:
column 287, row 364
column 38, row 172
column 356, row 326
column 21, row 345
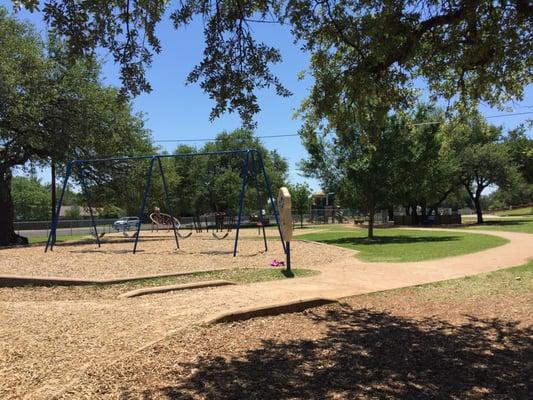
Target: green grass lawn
column 112, row 290
column 515, row 280
column 525, row 211
column 511, row 225
column 238, row 275
column 402, row 245
column 59, row 238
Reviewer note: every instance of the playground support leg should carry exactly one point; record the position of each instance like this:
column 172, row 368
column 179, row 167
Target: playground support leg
column 88, row 201
column 272, row 204
column 143, row 204
column 165, row 188
column 241, row 200
column 259, row 208
column 52, row 235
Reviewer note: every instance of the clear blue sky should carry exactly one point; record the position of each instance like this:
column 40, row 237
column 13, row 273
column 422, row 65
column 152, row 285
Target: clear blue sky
column 176, row 111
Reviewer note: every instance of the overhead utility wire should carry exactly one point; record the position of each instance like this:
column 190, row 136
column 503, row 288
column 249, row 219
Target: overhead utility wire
column 295, row 134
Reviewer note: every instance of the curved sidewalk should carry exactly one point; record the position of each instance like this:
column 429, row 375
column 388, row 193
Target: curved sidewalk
column 352, row 276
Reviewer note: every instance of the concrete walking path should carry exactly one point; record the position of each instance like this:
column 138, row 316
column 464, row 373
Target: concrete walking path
column 350, row 276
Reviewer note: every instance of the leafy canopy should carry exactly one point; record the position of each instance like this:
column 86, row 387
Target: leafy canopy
column 464, row 50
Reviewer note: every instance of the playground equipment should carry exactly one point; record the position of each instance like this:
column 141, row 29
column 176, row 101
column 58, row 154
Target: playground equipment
column 252, row 164
column 219, row 226
column 163, row 220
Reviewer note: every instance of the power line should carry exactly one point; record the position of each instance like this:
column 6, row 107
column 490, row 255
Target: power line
column 215, row 139
column 295, row 134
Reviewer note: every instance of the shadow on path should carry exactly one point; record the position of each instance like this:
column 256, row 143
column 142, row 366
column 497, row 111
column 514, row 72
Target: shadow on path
column 366, row 354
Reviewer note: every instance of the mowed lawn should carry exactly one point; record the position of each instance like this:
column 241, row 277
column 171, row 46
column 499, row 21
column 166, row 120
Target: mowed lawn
column 524, row 225
column 517, row 211
column 402, row 245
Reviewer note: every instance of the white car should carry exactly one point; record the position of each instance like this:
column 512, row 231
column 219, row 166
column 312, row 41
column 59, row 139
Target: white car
column 126, row 223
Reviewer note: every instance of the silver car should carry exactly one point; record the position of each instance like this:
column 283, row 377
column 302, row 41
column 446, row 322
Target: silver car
column 126, row 223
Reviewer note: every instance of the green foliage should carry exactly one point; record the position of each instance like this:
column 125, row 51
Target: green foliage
column 422, row 174
column 300, row 198
column 111, row 211
column 482, row 159
column 73, row 212
column 464, row 50
column 401, row 163
column 53, row 106
column 31, row 199
column 196, row 185
column 518, row 193
column 520, row 148
column 212, row 183
column 402, row 245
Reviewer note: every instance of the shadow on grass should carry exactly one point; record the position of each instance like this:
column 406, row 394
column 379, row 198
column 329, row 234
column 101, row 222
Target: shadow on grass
column 366, row 354
column 287, row 274
column 505, row 223
column 399, row 239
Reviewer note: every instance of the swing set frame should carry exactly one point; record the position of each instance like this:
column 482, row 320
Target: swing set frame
column 251, row 157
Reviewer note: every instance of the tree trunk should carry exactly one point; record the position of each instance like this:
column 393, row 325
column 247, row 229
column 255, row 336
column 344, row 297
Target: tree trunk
column 414, row 214
column 479, row 211
column 391, row 214
column 7, row 213
column 476, row 197
column 301, row 220
column 371, row 220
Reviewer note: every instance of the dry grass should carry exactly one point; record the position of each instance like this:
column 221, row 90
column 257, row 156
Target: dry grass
column 112, row 291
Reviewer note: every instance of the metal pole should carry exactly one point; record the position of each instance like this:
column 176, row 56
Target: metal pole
column 272, row 204
column 88, row 201
column 55, row 220
column 143, row 203
column 165, row 188
column 259, row 208
column 288, row 255
column 241, row 200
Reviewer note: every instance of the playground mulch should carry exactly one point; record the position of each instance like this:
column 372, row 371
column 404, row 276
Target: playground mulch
column 399, row 344
column 157, row 254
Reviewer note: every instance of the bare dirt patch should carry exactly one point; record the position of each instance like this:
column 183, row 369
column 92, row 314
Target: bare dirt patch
column 157, row 253
column 400, row 344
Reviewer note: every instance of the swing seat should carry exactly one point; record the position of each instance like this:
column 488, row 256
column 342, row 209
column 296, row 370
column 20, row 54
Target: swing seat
column 165, row 221
column 220, row 237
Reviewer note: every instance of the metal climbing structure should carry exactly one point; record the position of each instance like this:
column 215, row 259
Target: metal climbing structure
column 252, row 166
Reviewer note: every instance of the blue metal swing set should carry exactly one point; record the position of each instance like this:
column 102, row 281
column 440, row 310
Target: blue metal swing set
column 251, row 157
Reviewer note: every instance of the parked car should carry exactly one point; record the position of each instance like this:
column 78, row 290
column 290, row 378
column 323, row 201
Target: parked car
column 126, row 223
